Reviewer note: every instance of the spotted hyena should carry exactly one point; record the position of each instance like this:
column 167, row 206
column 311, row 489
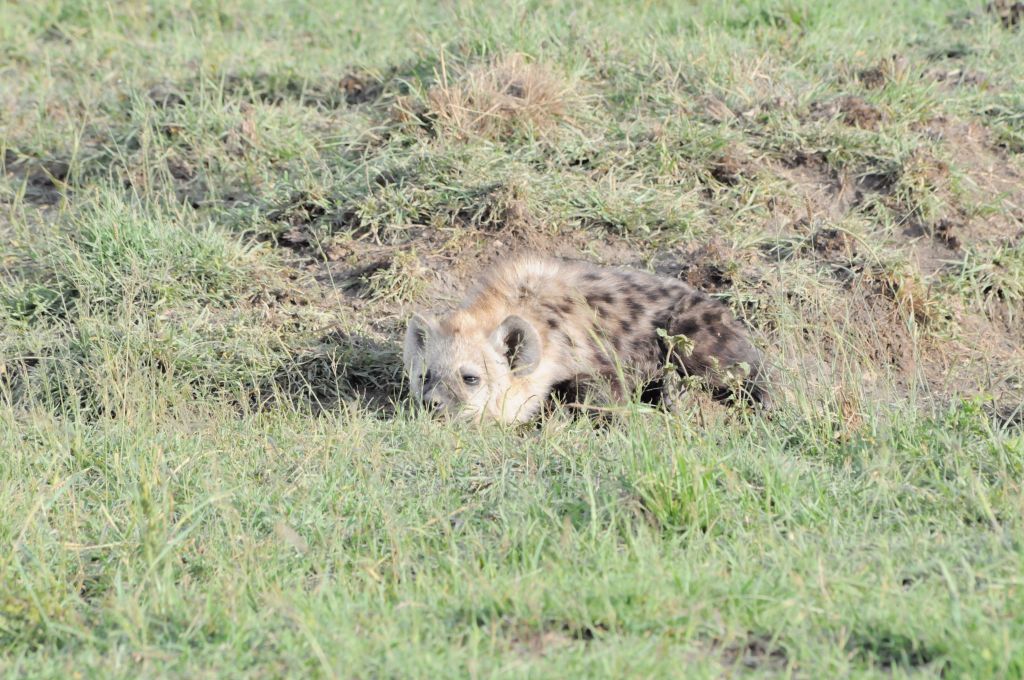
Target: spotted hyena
column 534, row 327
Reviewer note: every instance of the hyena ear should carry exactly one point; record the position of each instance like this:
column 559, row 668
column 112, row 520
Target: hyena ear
column 517, row 340
column 416, row 335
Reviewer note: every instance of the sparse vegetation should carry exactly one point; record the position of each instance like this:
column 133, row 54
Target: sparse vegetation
column 215, row 219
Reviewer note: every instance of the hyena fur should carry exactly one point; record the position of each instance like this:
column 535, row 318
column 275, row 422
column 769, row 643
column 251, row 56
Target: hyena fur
column 536, row 326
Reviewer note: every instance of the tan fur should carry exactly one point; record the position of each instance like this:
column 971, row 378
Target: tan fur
column 535, row 324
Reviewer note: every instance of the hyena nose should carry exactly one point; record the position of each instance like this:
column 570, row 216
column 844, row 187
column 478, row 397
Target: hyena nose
column 435, row 402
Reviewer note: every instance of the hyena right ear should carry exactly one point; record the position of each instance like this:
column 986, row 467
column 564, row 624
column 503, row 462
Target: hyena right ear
column 416, row 335
column 517, row 340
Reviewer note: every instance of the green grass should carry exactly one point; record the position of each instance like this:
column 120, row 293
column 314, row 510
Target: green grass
column 216, row 217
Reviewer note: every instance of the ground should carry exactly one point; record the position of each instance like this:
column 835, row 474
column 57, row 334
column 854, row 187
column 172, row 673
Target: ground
column 215, row 218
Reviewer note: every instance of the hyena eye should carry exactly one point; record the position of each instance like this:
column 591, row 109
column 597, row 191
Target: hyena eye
column 471, row 379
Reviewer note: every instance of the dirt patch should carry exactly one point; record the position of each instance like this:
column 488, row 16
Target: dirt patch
column 360, row 88
column 166, row 95
column 754, row 652
column 715, row 109
column 45, row 180
column 890, row 650
column 949, row 233
column 850, row 109
column 814, row 191
column 988, row 180
column 447, row 228
column 888, row 316
column 952, row 78
column 834, row 243
column 905, row 289
column 306, row 224
column 888, row 70
column 878, row 324
column 732, row 166
column 535, row 638
column 1007, row 416
column 301, row 209
column 712, row 266
column 189, row 186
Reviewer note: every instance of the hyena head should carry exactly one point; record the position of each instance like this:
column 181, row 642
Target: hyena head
column 461, row 370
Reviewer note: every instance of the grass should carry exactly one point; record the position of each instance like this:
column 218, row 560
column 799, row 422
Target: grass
column 215, row 219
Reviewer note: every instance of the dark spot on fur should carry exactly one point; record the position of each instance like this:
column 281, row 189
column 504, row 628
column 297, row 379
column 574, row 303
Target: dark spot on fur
column 596, row 298
column 653, row 392
column 603, row 361
column 636, row 308
column 591, row 276
column 615, row 315
column 712, row 318
column 687, row 327
column 618, row 324
column 552, row 323
column 641, row 345
column 566, row 306
column 569, row 391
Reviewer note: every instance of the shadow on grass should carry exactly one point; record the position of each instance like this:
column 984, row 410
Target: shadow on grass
column 342, row 368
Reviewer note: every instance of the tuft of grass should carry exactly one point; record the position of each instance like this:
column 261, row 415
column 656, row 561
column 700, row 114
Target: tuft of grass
column 402, row 281
column 996, row 276
column 112, row 250
column 507, row 95
column 912, row 297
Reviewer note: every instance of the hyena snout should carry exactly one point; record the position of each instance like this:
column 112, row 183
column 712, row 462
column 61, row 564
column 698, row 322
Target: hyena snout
column 438, row 402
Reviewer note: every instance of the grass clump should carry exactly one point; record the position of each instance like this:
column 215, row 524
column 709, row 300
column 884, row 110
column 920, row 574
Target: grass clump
column 111, row 250
column 507, row 95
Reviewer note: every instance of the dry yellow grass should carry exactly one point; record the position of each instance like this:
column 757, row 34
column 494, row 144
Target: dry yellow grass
column 500, row 98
